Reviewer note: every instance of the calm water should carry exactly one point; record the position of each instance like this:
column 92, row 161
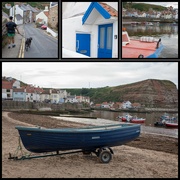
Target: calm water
column 150, row 117
column 166, row 31
column 109, row 117
column 148, row 126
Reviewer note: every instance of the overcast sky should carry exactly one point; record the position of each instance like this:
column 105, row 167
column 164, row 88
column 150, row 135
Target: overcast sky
column 165, row 4
column 89, row 74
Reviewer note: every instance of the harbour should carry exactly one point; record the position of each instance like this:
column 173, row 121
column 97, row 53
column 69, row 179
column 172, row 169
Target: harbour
column 108, row 117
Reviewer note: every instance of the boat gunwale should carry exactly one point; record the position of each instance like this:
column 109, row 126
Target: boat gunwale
column 79, row 130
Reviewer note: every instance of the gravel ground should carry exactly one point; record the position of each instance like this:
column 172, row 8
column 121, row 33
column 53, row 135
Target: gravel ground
column 148, row 156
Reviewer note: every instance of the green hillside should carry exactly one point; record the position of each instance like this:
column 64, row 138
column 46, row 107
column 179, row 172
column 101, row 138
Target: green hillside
column 143, row 6
column 135, row 92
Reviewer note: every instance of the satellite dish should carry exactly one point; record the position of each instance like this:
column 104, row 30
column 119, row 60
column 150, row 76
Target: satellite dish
column 8, row 6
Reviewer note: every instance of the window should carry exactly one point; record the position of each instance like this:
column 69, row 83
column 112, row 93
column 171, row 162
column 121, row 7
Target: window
column 8, row 90
column 109, row 38
column 102, row 33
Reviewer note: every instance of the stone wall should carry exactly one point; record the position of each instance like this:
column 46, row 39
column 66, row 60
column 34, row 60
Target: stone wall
column 53, row 17
column 4, row 31
column 10, row 105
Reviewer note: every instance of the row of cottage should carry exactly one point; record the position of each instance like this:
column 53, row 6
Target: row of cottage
column 170, row 13
column 24, row 13
column 118, row 105
column 11, row 90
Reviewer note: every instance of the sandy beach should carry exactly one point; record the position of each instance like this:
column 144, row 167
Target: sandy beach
column 149, row 156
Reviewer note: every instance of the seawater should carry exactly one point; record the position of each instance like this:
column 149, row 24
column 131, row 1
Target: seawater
column 108, row 117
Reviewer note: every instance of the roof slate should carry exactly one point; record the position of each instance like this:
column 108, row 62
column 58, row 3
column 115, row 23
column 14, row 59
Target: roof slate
column 19, row 17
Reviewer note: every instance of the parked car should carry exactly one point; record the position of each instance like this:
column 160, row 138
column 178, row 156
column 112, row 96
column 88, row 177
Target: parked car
column 44, row 27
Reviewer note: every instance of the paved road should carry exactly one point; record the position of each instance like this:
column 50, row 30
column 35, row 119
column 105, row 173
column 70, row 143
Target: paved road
column 42, row 45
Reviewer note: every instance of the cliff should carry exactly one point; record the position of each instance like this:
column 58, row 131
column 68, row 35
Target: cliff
column 151, row 93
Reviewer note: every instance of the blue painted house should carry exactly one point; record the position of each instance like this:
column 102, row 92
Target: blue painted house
column 19, row 94
column 91, row 28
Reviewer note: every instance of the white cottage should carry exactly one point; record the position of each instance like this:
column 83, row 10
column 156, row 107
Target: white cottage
column 18, row 14
column 91, row 28
column 126, row 105
column 42, row 17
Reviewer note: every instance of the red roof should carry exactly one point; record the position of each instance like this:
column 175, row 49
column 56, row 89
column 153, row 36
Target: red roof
column 38, row 89
column 105, row 103
column 109, row 9
column 30, row 90
column 6, row 85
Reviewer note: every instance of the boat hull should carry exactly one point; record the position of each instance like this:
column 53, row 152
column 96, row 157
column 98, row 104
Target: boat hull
column 137, row 121
column 173, row 125
column 147, row 49
column 123, row 119
column 40, row 140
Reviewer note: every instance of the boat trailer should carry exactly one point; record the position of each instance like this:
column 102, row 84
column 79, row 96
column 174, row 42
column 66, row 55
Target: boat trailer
column 103, row 153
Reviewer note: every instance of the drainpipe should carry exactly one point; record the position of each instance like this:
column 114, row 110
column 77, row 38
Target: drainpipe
column 14, row 12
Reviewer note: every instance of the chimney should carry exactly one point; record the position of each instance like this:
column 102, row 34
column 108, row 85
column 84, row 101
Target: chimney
column 46, row 8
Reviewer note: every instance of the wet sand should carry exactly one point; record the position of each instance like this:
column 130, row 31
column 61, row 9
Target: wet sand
column 149, row 156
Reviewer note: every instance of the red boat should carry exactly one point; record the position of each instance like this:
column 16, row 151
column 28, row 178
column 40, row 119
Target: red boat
column 171, row 124
column 137, row 120
column 131, row 119
column 126, row 118
column 145, row 47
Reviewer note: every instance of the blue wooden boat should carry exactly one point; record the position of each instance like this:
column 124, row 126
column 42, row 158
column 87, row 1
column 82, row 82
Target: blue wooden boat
column 96, row 139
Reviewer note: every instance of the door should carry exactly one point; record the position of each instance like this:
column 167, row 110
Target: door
column 83, row 44
column 105, row 37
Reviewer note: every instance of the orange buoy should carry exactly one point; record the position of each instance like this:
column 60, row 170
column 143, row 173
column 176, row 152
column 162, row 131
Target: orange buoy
column 123, row 29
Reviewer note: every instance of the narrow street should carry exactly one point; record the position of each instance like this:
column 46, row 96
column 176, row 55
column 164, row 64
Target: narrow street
column 42, row 45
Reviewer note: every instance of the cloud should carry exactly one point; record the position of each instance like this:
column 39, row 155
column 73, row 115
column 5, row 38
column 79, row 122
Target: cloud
column 93, row 74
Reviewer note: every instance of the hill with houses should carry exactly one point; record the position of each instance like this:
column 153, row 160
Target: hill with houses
column 148, row 93
column 143, row 10
column 143, row 6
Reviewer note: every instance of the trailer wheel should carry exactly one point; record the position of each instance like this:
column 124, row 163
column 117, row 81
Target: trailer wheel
column 105, row 156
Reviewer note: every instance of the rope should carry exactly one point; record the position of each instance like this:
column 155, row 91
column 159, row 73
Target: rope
column 19, row 148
